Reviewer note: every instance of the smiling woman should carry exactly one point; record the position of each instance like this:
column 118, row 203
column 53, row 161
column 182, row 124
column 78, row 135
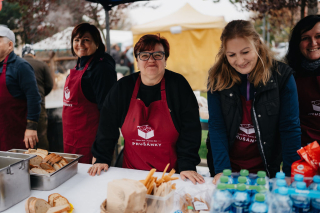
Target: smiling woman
column 85, row 90
column 252, row 99
column 304, row 57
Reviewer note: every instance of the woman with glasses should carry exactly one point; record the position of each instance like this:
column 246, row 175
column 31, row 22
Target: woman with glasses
column 158, row 115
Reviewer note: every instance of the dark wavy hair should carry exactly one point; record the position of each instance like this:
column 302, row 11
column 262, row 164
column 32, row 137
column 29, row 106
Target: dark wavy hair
column 81, row 29
column 149, row 41
column 294, row 55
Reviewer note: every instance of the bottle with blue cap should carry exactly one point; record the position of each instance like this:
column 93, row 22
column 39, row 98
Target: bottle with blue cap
column 221, row 200
column 225, row 180
column 279, row 183
column 297, row 178
column 245, row 173
column 279, row 176
column 241, row 199
column 259, row 205
column 316, row 183
column 315, row 203
column 301, row 202
column 281, row 202
column 227, row 173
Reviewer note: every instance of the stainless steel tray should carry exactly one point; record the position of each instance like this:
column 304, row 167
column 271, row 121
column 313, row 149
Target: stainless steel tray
column 55, row 179
column 14, row 179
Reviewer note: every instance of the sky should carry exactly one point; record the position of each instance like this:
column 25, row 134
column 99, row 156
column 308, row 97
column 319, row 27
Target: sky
column 207, row 7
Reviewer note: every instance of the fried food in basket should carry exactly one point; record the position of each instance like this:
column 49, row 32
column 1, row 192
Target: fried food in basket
column 161, row 187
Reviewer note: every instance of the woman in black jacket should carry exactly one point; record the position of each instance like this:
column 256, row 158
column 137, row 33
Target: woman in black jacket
column 85, row 90
column 304, row 58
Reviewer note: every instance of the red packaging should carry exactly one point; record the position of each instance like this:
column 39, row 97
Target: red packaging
column 311, row 154
column 303, row 168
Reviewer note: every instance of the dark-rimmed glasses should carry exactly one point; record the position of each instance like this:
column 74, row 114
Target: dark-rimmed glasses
column 144, row 56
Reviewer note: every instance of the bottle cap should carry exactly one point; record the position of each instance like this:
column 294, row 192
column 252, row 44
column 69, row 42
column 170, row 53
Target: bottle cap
column 280, row 175
column 281, row 183
column 283, row 190
column 224, row 179
column 261, row 181
column 222, row 186
column 301, row 185
column 261, row 189
column 241, row 187
column 242, row 179
column 316, row 179
column 244, row 172
column 298, row 177
column 259, row 197
column 261, row 174
column 226, row 172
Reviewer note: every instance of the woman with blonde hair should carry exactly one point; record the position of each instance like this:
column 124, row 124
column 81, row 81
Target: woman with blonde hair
column 253, row 106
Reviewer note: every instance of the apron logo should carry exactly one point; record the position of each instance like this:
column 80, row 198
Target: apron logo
column 145, row 131
column 247, row 128
column 67, row 93
column 316, row 105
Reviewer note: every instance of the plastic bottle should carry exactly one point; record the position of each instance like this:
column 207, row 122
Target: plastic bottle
column 315, row 203
column 225, row 180
column 301, row 203
column 245, row 173
column 282, row 202
column 241, row 199
column 262, row 185
column 316, row 182
column 297, row 178
column 227, row 172
column 221, row 200
column 260, row 174
column 279, row 183
column 258, row 206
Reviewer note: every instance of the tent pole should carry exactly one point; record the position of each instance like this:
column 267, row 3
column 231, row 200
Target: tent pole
column 107, row 30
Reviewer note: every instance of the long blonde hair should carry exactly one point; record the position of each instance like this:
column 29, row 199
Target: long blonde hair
column 222, row 75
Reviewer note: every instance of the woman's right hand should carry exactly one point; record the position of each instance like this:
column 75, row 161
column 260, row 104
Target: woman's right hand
column 216, row 178
column 97, row 168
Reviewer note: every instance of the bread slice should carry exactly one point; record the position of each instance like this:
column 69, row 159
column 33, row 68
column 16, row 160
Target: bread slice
column 59, row 209
column 52, row 160
column 52, row 197
column 56, row 159
column 63, row 161
column 40, row 154
column 34, row 166
column 46, row 166
column 56, row 166
column 46, row 159
column 26, row 206
column 59, row 201
column 39, row 206
column 50, row 170
column 30, row 151
column 36, row 160
column 43, row 151
column 39, row 171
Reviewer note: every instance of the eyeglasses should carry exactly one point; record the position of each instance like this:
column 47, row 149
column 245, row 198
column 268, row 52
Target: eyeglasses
column 144, row 56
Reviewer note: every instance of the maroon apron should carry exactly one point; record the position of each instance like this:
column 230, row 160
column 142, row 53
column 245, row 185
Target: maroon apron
column 13, row 116
column 245, row 153
column 309, row 106
column 80, row 117
column 149, row 133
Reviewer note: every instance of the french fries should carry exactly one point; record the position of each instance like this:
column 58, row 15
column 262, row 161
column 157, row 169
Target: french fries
column 160, row 187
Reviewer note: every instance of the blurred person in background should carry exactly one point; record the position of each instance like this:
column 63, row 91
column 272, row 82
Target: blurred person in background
column 19, row 97
column 253, row 107
column 85, row 90
column 304, row 58
column 115, row 53
column 155, row 104
column 45, row 84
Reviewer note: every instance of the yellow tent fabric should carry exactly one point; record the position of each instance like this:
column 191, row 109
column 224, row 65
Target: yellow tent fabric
column 193, row 51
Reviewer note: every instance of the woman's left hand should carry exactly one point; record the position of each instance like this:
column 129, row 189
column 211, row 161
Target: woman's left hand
column 193, row 176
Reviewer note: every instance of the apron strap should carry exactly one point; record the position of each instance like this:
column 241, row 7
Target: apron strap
column 162, row 88
column 4, row 68
column 87, row 64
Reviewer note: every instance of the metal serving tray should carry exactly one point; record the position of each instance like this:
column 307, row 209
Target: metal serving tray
column 50, row 181
column 14, row 178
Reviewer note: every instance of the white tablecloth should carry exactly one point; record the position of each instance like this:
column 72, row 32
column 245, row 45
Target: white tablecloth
column 86, row 193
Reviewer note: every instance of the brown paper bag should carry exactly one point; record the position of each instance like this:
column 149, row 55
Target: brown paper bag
column 126, row 196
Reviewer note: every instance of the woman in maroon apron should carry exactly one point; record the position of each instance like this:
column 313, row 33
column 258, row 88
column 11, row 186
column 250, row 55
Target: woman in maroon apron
column 85, row 90
column 304, row 57
column 253, row 107
column 158, row 116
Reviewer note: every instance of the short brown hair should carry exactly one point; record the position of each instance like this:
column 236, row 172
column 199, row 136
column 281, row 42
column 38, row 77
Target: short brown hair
column 81, row 29
column 149, row 41
column 222, row 75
